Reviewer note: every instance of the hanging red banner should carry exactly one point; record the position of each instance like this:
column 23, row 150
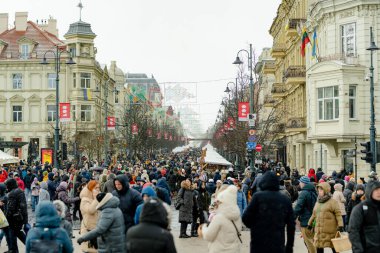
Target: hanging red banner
column 135, row 128
column 64, row 112
column 158, row 135
column 149, row 132
column 231, row 123
column 166, row 135
column 170, row 137
column 226, row 126
column 243, row 111
column 111, row 123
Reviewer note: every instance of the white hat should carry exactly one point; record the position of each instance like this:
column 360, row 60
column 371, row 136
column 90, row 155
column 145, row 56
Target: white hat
column 228, row 196
column 231, row 169
column 211, row 180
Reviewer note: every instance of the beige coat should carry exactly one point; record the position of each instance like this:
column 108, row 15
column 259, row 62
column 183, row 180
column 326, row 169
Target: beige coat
column 90, row 215
column 339, row 197
column 328, row 218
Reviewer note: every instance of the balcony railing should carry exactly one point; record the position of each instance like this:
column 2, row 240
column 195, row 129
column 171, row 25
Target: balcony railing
column 299, row 122
column 295, row 75
column 269, row 100
column 278, row 88
column 279, row 50
column 294, row 22
column 269, row 67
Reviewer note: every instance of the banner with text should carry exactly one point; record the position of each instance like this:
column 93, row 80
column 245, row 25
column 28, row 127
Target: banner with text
column 64, row 112
column 243, row 111
column 111, row 123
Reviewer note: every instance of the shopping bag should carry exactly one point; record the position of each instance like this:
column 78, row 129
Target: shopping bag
column 341, row 242
column 3, row 220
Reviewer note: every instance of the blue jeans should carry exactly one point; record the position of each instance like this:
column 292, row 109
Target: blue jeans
column 34, row 202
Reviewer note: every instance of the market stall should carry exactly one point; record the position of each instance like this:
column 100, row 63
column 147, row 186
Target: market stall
column 6, row 158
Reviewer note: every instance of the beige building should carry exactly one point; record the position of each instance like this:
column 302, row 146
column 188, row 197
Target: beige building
column 28, row 89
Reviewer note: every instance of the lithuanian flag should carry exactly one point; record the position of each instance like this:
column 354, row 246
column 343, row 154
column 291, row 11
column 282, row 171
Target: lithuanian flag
column 305, row 40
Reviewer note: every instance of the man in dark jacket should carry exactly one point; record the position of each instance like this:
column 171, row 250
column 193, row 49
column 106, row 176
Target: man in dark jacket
column 129, row 199
column 52, row 185
column 364, row 225
column 267, row 215
column 16, row 213
column 151, row 234
column 304, row 209
column 210, row 187
column 28, row 180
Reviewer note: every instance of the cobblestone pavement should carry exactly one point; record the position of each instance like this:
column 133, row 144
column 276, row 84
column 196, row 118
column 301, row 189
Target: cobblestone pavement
column 189, row 245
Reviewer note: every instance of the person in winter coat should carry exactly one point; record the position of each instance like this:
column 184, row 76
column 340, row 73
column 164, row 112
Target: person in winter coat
column 61, row 210
column 64, row 197
column 89, row 212
column 146, row 193
column 16, row 214
column 35, row 188
column 304, row 209
column 312, row 174
column 241, row 199
column 48, row 222
column 347, row 193
column 196, row 210
column 43, row 194
column 364, row 231
column 210, row 187
column 20, row 183
column 326, row 218
column 223, row 232
column 217, row 176
column 163, row 184
column 52, row 185
column 151, row 234
column 3, row 207
column 129, row 198
column 109, row 186
column 110, row 229
column 319, row 174
column 3, row 175
column 356, row 197
column 186, row 198
column 339, row 197
column 267, row 215
column 204, row 200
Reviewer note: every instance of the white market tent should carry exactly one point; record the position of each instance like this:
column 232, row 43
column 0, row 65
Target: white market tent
column 213, row 157
column 5, row 158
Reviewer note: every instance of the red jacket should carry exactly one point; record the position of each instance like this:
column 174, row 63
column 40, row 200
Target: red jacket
column 3, row 176
column 20, row 183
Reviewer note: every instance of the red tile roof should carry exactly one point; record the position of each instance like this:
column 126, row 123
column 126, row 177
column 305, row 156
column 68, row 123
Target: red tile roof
column 46, row 41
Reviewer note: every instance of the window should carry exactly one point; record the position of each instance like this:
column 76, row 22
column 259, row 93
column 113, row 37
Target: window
column 51, row 81
column 116, row 97
column 24, row 51
column 17, row 81
column 17, row 113
column 74, row 80
column 52, row 114
column 73, row 52
column 328, row 103
column 73, row 112
column 85, row 80
column 352, row 102
column 85, row 113
column 349, row 39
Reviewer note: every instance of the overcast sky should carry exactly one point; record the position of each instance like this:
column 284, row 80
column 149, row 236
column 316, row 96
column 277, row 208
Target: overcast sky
column 175, row 40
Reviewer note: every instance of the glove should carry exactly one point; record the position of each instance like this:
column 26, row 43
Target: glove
column 340, row 229
column 309, row 227
column 80, row 240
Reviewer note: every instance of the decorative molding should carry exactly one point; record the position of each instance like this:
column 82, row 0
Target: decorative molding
column 17, row 98
column 34, row 98
column 51, row 97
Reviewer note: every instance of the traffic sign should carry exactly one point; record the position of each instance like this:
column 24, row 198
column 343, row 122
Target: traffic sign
column 252, row 138
column 259, row 147
column 252, row 131
column 251, row 145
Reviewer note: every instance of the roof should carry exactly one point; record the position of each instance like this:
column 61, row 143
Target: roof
column 139, row 79
column 42, row 40
column 80, row 28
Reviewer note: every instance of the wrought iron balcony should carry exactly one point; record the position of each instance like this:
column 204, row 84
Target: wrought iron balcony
column 278, row 90
column 296, row 123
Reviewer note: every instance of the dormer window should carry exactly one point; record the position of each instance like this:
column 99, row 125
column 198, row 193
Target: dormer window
column 24, row 51
column 26, row 47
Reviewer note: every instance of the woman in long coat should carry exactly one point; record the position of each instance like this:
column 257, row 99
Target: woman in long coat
column 186, row 198
column 326, row 218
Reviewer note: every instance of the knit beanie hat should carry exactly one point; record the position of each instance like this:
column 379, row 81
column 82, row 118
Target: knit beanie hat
column 100, row 196
column 91, row 185
column 305, row 180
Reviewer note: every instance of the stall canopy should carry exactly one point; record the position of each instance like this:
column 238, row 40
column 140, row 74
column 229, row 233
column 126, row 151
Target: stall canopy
column 5, row 158
column 213, row 157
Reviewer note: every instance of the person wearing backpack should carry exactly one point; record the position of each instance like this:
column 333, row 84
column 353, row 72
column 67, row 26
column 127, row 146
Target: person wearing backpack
column 364, row 225
column 304, row 209
column 47, row 236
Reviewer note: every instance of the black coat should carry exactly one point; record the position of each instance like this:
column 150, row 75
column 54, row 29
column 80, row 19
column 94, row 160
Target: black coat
column 186, row 197
column 28, row 180
column 16, row 205
column 129, row 200
column 267, row 215
column 151, row 234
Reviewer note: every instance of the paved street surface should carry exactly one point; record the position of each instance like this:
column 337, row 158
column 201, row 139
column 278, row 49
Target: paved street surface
column 190, row 245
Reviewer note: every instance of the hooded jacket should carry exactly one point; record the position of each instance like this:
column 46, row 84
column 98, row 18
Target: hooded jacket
column 149, row 191
column 339, row 197
column 151, row 234
column 221, row 232
column 129, row 198
column 16, row 205
column 61, row 209
column 305, row 204
column 186, row 197
column 44, row 194
column 52, row 185
column 364, row 225
column 64, row 197
column 267, row 215
column 312, row 174
column 110, row 229
column 109, row 186
column 48, row 221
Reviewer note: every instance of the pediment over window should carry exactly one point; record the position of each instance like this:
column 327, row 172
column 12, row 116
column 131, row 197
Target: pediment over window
column 51, row 97
column 34, row 98
column 17, row 98
column 26, row 40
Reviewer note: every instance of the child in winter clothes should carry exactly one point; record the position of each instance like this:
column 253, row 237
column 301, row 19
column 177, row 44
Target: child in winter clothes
column 61, row 209
column 43, row 192
column 338, row 196
column 35, row 193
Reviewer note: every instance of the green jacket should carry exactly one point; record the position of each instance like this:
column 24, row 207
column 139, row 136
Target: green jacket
column 305, row 204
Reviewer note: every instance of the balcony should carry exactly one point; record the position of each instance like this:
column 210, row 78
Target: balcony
column 269, row 67
column 295, row 75
column 349, row 60
column 278, row 90
column 278, row 128
column 278, row 50
column 269, row 101
column 291, row 28
column 296, row 124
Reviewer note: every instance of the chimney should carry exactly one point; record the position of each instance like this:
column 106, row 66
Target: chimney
column 3, row 22
column 52, row 27
column 21, row 21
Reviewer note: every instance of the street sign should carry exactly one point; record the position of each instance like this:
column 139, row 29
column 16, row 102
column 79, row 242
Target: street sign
column 252, row 131
column 252, row 138
column 259, row 161
column 259, row 147
column 252, row 119
column 251, row 145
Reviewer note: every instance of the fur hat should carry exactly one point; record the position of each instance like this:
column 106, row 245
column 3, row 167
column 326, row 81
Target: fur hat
column 228, row 196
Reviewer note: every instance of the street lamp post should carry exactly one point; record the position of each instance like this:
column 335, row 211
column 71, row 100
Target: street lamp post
column 57, row 60
column 251, row 105
column 372, row 128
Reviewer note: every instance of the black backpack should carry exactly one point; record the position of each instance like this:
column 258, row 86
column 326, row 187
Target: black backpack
column 46, row 243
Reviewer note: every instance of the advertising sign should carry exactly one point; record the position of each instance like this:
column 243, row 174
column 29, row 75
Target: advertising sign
column 111, row 123
column 64, row 112
column 47, row 155
column 243, row 111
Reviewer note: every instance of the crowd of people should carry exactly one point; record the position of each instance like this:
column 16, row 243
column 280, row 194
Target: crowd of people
column 128, row 206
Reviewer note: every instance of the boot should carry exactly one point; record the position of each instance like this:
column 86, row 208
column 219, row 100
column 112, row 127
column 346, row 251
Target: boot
column 194, row 229
column 183, row 231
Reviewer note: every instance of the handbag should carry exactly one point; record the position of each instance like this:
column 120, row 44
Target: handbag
column 237, row 232
column 341, row 242
column 3, row 220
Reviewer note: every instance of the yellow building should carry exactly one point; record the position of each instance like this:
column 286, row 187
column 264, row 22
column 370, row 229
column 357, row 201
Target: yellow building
column 290, row 82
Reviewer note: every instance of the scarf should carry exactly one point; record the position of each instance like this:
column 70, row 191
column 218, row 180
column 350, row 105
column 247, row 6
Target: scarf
column 324, row 198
